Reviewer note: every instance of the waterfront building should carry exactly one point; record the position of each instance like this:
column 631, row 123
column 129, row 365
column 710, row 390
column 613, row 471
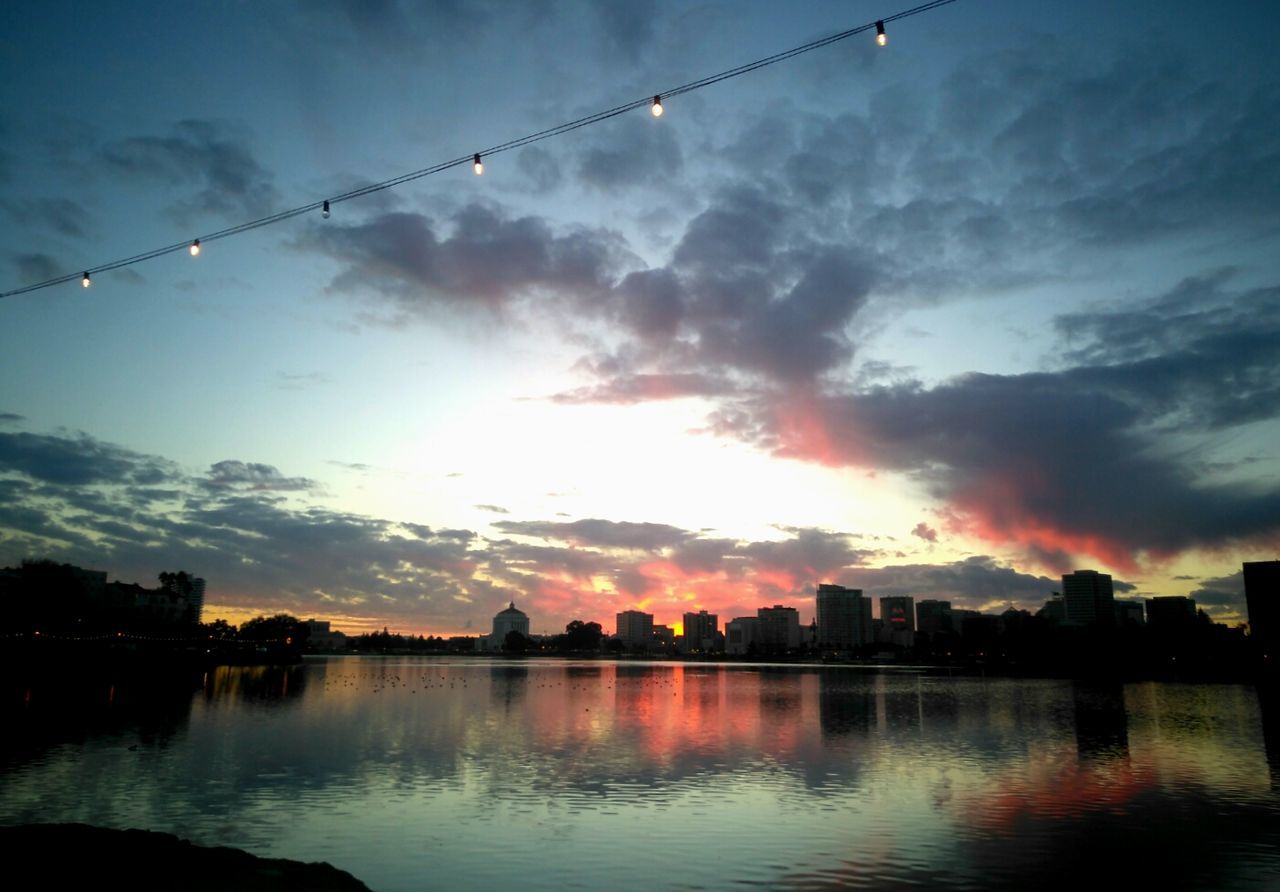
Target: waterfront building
column 1054, row 610
column 779, row 628
column 844, row 617
column 1089, row 598
column 1130, row 613
column 634, row 629
column 1171, row 612
column 700, row 631
column 664, row 636
column 1262, row 594
column 740, row 633
column 898, row 616
column 933, row 617
column 512, row 619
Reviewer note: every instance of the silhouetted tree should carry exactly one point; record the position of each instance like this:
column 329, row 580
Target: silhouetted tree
column 515, row 643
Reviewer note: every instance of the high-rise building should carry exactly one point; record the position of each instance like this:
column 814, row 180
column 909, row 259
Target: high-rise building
column 700, row 631
column 933, row 617
column 779, row 629
column 844, row 617
column 1262, row 594
column 898, row 613
column 740, row 633
column 635, row 628
column 1088, row 598
column 1172, row 612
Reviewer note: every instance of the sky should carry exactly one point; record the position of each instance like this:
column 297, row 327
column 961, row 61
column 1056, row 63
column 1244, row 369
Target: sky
column 947, row 318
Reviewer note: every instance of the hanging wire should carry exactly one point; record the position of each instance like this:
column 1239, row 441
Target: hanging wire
column 323, row 205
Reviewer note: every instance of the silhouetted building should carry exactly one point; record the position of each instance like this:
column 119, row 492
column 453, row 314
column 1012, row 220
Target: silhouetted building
column 1054, row 610
column 1130, row 613
column 898, row 614
column 320, row 636
column 1173, row 612
column 844, row 617
column 779, row 628
column 1262, row 593
column 740, row 633
column 664, row 636
column 1089, row 598
column 700, row 630
column 504, row 623
column 933, row 617
column 635, row 628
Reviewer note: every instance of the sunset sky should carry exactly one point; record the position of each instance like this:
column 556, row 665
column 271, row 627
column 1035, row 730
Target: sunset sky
column 946, row 318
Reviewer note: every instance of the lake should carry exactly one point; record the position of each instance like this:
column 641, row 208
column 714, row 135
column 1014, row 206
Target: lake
column 417, row 773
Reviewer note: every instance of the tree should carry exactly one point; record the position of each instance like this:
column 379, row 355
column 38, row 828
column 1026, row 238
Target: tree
column 580, row 636
column 279, row 629
column 515, row 643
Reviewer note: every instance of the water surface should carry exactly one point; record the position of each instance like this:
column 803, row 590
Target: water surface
column 416, row 773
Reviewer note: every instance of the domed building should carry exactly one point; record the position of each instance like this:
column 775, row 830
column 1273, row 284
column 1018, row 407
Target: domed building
column 504, row 623
column 507, row 621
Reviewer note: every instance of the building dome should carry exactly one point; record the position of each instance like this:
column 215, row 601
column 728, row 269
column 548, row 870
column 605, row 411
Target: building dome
column 507, row 621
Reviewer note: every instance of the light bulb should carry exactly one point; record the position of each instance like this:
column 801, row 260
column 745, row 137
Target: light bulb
column 881, row 37
column 85, row 280
column 657, row 106
column 324, row 211
column 195, row 248
column 477, row 163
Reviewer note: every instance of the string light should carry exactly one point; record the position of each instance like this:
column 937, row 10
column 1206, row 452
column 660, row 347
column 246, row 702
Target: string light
column 655, row 106
column 195, row 248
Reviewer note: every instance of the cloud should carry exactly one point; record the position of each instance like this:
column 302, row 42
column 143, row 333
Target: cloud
column 1070, row 462
column 79, row 459
column 599, row 533
column 632, row 153
column 494, row 509
column 209, row 160
column 37, row 267
column 481, row 258
column 60, row 215
column 1222, row 597
column 925, row 532
column 251, row 476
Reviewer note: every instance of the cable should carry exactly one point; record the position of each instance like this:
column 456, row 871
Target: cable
column 520, row 142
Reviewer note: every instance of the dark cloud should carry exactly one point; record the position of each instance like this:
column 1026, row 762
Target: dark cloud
column 60, row 215
column 1068, row 462
column 210, row 161
column 79, row 460
column 11, row 418
column 495, row 509
column 1223, row 595
column 484, row 258
column 541, row 167
column 628, row 389
column 632, row 153
column 973, row 582
column 600, row 533
column 37, row 267
column 925, row 532
column 254, row 477
column 628, row 27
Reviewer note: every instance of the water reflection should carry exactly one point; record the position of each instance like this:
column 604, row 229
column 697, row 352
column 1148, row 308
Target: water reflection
column 404, row 771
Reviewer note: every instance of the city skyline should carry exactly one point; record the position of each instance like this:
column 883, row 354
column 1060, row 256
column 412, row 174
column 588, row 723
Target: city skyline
column 943, row 320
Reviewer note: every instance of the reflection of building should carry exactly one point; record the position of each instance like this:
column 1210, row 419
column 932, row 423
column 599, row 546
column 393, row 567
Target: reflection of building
column 779, row 629
column 844, row 617
column 635, row 628
column 1262, row 593
column 700, row 631
column 740, row 634
column 1088, row 598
